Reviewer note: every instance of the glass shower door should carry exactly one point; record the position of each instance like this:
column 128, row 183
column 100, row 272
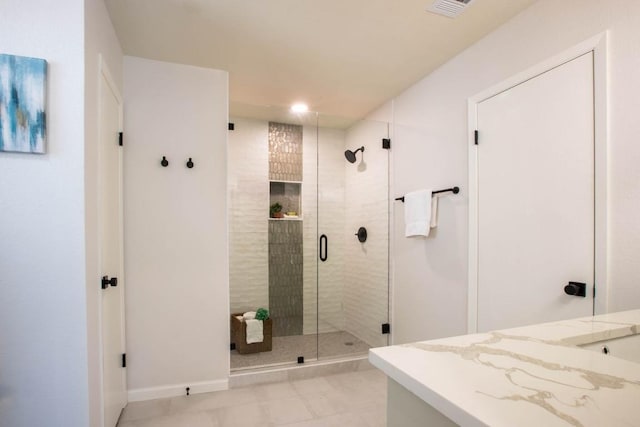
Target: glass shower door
column 353, row 240
column 273, row 232
column 300, row 189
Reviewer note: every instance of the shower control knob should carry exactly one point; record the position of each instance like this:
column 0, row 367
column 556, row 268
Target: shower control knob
column 576, row 289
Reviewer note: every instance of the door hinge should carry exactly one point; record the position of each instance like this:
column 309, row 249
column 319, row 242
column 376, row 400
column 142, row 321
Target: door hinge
column 124, row 360
column 594, row 290
column 120, row 139
column 386, row 143
column 475, row 137
column 105, row 282
column 386, row 328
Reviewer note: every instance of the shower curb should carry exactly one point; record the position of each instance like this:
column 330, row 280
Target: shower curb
column 247, row 377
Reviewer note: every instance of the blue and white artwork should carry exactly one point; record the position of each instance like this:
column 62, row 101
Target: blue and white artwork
column 22, row 104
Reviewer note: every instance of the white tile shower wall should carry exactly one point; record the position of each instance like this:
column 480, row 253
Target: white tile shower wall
column 366, row 278
column 331, row 221
column 309, row 229
column 248, row 214
column 325, row 218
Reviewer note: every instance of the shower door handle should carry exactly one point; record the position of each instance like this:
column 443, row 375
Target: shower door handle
column 325, row 245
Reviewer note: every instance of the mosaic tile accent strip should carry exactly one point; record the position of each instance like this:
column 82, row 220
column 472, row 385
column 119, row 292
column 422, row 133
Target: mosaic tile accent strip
column 285, row 152
column 285, row 277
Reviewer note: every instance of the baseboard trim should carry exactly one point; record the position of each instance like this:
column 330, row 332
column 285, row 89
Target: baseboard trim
column 175, row 390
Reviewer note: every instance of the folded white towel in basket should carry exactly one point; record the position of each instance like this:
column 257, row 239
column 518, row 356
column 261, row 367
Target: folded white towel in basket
column 254, row 331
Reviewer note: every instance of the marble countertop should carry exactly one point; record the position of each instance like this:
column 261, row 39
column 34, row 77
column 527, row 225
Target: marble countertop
column 528, row 376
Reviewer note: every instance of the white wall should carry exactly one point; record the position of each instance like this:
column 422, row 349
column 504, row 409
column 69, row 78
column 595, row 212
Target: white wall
column 43, row 319
column 177, row 292
column 100, row 40
column 430, row 149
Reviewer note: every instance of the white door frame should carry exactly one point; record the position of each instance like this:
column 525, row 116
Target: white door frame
column 105, row 74
column 597, row 45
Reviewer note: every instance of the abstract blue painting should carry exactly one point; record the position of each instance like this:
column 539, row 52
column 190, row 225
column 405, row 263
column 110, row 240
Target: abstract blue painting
column 22, row 104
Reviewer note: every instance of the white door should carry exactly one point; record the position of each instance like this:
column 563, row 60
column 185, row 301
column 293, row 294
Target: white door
column 536, row 198
column 110, row 218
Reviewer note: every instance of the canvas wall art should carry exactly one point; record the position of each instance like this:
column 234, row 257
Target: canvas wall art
column 22, row 104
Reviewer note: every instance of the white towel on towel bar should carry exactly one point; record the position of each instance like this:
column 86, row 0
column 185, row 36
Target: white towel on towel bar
column 417, row 213
column 434, row 210
column 254, row 331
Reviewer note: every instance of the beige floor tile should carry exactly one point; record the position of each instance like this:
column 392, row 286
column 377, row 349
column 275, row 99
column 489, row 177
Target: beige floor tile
column 374, row 375
column 341, row 420
column 198, row 419
column 312, row 386
column 147, row 409
column 267, row 392
column 355, row 399
column 374, row 415
column 215, row 400
column 286, row 411
column 248, row 415
column 310, row 423
column 359, row 388
column 325, row 404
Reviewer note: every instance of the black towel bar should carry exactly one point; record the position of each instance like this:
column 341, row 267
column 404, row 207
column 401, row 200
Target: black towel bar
column 454, row 190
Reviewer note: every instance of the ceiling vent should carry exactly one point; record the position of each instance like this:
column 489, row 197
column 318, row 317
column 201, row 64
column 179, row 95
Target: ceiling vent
column 449, row 8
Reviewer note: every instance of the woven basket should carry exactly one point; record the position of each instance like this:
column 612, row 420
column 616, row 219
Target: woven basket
column 239, row 336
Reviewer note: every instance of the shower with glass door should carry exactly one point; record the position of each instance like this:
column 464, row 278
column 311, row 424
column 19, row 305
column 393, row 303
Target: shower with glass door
column 301, row 190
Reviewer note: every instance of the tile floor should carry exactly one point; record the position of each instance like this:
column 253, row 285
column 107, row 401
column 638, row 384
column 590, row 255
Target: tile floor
column 354, row 399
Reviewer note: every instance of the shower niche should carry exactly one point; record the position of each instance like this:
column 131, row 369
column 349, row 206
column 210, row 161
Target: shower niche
column 287, row 198
column 292, row 185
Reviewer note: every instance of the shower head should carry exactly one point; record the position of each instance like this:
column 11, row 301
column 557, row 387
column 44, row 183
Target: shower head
column 351, row 155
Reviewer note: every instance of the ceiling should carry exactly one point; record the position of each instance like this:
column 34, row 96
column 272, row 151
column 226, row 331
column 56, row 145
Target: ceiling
column 343, row 58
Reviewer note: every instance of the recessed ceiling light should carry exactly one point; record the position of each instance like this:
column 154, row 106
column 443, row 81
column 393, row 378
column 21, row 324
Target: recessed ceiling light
column 299, row 107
